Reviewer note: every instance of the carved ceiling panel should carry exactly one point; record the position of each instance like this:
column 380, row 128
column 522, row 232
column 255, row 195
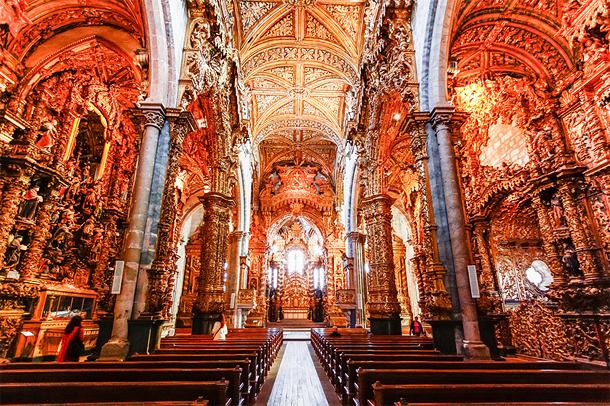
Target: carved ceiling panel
column 494, row 37
column 44, row 19
column 300, row 59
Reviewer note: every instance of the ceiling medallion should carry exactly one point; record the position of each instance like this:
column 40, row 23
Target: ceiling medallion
column 300, row 4
column 298, row 92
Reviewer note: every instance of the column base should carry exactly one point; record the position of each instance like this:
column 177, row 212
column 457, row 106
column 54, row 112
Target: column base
column 114, row 350
column 144, row 335
column 203, row 323
column 386, row 326
column 104, row 335
column 443, row 334
column 475, row 350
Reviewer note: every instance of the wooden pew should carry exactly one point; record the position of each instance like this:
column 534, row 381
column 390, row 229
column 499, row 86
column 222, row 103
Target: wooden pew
column 487, row 393
column 198, row 402
column 368, row 377
column 105, row 392
column 203, row 359
column 42, row 368
column 233, row 376
column 351, row 376
column 340, row 372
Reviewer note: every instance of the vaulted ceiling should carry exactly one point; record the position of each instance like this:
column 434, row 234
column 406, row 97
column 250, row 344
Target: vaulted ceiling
column 300, row 60
column 521, row 38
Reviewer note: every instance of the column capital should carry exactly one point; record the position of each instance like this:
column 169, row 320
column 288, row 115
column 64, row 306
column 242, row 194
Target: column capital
column 377, row 204
column 235, row 236
column 441, row 116
column 181, row 122
column 217, row 198
column 356, row 236
column 153, row 114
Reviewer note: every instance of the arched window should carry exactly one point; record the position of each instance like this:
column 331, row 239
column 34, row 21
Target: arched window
column 540, row 275
column 295, row 261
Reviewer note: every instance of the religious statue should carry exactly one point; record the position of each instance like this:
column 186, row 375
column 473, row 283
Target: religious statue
column 543, row 143
column 47, row 134
column 13, row 252
column 570, row 261
column 558, row 214
column 28, row 207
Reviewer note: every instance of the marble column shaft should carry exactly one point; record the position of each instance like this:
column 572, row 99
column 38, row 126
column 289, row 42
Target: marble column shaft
column 154, row 296
column 118, row 346
column 473, row 346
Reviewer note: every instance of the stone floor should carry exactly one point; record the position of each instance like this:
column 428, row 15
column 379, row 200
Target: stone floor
column 297, row 379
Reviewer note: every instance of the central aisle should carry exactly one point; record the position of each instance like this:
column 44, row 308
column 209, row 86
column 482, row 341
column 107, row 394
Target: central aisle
column 297, row 382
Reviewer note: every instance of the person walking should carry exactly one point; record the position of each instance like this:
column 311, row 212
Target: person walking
column 220, row 330
column 72, row 346
column 416, row 328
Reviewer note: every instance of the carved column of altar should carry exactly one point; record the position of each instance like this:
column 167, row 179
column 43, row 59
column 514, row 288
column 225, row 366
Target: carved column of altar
column 383, row 305
column 433, row 294
column 210, row 303
column 233, row 278
column 118, row 346
column 400, row 271
column 473, row 347
column 549, row 242
column 487, row 277
column 355, row 249
column 31, row 259
column 594, row 125
column 11, row 198
column 580, row 230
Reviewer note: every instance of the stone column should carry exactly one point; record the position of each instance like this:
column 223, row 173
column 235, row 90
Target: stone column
column 154, row 297
column 473, row 347
column 118, row 346
column 210, row 301
column 383, row 305
column 233, row 279
column 355, row 250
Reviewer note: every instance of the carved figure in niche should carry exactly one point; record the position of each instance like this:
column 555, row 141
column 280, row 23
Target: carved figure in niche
column 558, row 213
column 99, row 208
column 47, row 135
column 91, row 198
column 570, row 261
column 96, row 246
column 339, row 284
column 28, row 207
column 543, row 143
column 85, row 174
column 253, row 284
column 13, row 252
column 61, row 235
column 88, row 229
column 43, row 266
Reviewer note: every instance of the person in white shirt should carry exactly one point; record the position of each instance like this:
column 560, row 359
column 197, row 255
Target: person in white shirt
column 220, row 330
